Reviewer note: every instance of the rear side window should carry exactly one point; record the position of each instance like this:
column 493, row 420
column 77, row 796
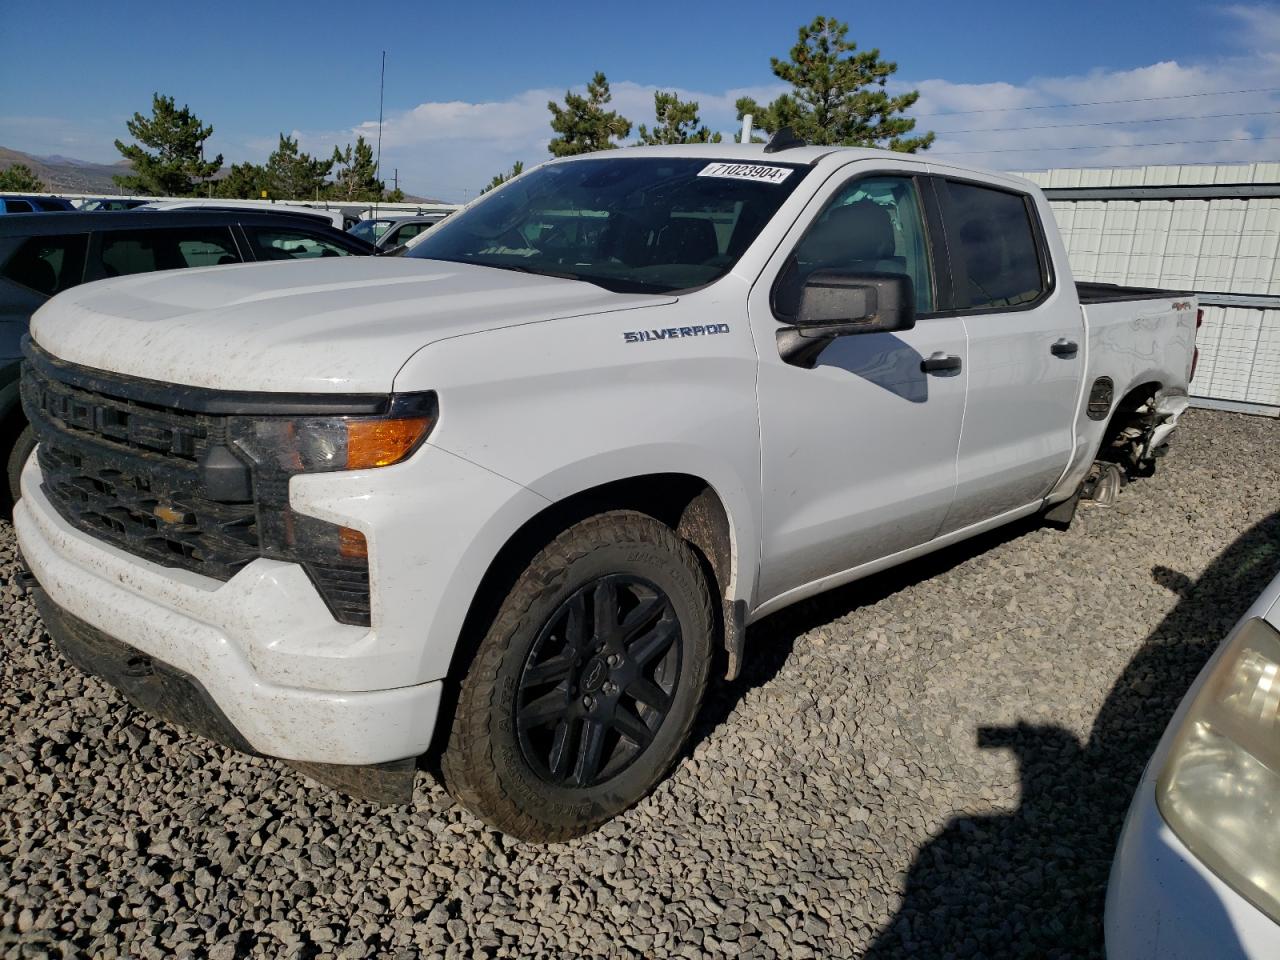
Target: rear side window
column 991, row 235
column 17, row 206
column 48, row 265
column 285, row 244
column 143, row 251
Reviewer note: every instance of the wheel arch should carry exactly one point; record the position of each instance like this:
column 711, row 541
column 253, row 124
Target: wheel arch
column 1125, row 411
column 687, row 503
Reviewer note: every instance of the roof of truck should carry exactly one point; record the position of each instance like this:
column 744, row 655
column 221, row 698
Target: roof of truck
column 805, row 156
column 743, row 152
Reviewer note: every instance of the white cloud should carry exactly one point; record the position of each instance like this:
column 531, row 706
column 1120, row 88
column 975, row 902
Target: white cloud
column 1152, row 114
column 450, row 149
column 1260, row 27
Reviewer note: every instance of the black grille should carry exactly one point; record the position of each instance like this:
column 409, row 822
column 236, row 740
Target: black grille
column 125, row 506
column 171, row 433
column 135, row 475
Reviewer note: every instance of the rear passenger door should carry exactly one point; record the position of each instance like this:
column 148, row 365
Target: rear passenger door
column 1026, row 351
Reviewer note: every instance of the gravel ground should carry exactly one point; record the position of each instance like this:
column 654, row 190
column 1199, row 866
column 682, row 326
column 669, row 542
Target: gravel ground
column 934, row 762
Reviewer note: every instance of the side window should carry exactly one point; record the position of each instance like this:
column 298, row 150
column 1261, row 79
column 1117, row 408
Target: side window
column 289, row 244
column 17, row 206
column 873, row 225
column 48, row 265
column 993, row 246
column 143, row 251
column 408, row 232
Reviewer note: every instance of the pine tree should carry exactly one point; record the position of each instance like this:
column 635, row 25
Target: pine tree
column 500, row 178
column 837, row 96
column 355, row 173
column 583, row 124
column 175, row 165
column 21, row 178
column 295, row 175
column 244, row 181
column 677, row 122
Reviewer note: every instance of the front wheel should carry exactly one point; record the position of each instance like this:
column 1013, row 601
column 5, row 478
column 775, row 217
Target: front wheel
column 584, row 688
column 16, row 459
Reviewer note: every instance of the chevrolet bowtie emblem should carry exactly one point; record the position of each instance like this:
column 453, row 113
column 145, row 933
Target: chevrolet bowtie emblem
column 167, row 514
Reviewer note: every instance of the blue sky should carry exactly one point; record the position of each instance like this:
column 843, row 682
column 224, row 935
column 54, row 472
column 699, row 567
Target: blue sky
column 467, row 84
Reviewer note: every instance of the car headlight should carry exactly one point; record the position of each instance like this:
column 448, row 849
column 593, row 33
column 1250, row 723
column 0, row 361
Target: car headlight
column 317, row 444
column 1219, row 790
column 336, row 558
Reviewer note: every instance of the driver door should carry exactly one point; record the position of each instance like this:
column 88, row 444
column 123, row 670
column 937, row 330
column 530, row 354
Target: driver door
column 859, row 444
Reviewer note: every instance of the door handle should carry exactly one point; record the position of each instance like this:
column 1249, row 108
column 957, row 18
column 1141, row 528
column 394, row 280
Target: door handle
column 1064, row 348
column 939, row 363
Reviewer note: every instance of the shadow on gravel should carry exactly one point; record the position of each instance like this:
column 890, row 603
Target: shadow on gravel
column 769, row 642
column 1032, row 883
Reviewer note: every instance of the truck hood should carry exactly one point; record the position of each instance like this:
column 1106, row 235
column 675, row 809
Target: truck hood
column 314, row 326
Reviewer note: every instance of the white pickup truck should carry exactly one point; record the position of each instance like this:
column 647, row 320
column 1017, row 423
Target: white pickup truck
column 516, row 494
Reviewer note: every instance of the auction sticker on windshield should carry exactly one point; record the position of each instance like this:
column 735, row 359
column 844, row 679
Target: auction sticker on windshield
column 746, row 171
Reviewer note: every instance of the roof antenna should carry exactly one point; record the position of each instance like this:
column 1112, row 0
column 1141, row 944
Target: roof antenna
column 784, row 139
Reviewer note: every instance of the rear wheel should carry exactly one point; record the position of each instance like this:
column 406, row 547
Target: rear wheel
column 584, row 688
column 1103, row 483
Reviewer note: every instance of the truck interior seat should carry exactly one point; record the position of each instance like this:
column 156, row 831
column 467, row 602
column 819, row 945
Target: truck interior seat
column 686, row 240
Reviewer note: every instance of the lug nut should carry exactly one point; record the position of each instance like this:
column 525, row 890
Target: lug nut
column 610, row 688
column 588, row 702
column 614, row 660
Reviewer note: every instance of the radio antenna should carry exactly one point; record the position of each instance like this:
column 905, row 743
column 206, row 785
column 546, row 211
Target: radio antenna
column 377, row 163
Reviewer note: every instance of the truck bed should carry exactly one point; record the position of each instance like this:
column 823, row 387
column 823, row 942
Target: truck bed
column 1115, row 293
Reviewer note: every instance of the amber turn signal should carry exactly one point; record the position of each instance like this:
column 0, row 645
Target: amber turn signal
column 380, row 443
column 352, row 544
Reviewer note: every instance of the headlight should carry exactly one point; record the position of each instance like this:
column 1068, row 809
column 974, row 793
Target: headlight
column 1219, row 791
column 336, row 558
column 316, row 444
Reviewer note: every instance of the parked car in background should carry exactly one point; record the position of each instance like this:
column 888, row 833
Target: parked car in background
column 392, row 231
column 1197, row 869
column 519, row 490
column 103, row 204
column 34, row 204
column 43, row 255
column 331, row 218
column 403, row 231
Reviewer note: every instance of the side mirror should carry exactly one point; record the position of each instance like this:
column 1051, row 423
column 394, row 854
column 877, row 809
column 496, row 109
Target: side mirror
column 837, row 303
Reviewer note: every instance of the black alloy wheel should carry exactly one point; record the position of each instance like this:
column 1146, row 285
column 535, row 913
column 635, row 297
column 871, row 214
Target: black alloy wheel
column 598, row 681
column 585, row 684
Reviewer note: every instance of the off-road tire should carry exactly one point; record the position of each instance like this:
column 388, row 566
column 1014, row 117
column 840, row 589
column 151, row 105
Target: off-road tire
column 23, row 444
column 483, row 765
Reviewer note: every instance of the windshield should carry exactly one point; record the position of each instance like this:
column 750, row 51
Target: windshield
column 630, row 224
column 370, row 230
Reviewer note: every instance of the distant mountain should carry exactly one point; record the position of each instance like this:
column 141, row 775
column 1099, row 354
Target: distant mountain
column 67, row 173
